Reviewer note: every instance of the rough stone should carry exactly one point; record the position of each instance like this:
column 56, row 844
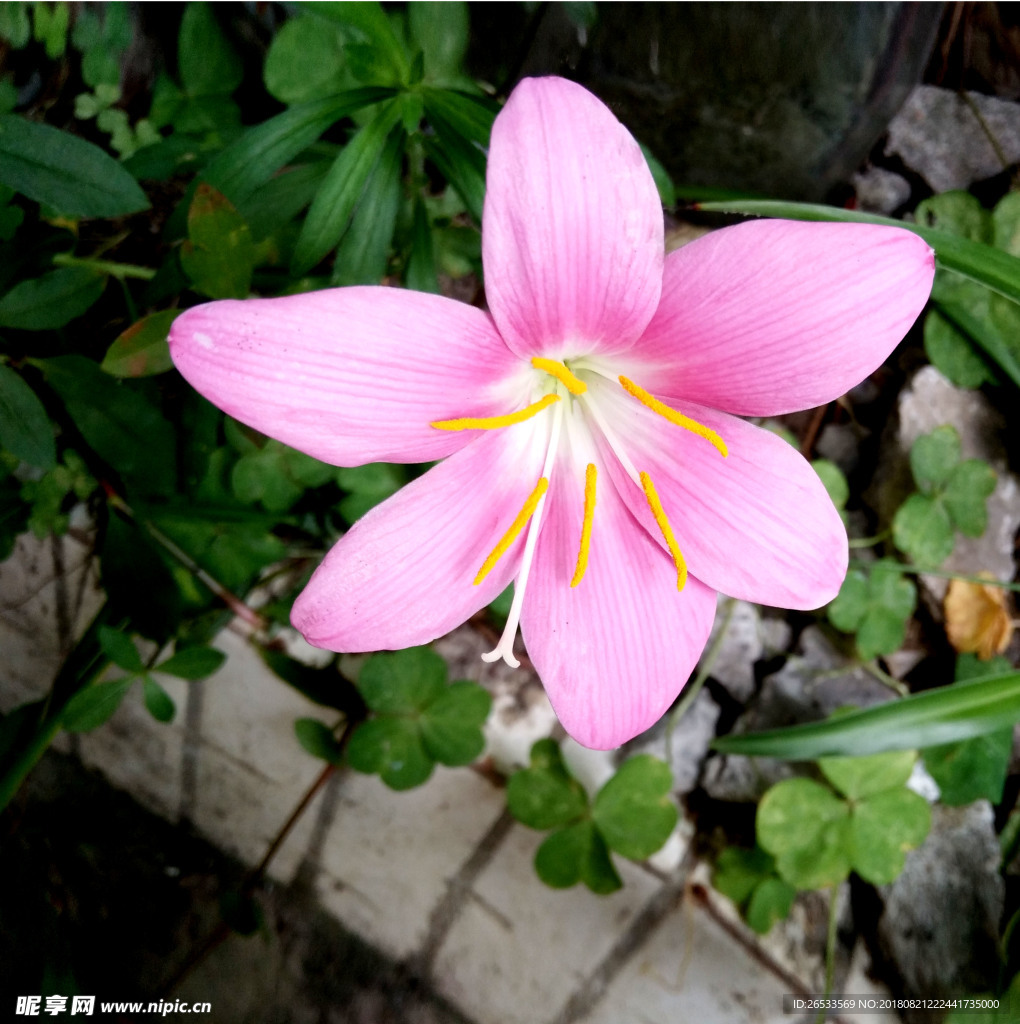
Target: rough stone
column 940, row 135
column 747, row 638
column 840, row 443
column 938, row 931
column 880, row 191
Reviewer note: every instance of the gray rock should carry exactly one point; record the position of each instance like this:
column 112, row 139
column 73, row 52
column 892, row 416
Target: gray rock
column 840, row 443
column 880, row 191
column 940, row 923
column 940, row 135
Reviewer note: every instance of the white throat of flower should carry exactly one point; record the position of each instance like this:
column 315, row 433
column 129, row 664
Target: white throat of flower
column 563, row 386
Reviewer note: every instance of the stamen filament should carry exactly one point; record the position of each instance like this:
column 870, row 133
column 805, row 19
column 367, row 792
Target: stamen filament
column 667, row 533
column 675, row 417
column 515, row 528
column 561, row 373
column 589, row 515
column 494, row 422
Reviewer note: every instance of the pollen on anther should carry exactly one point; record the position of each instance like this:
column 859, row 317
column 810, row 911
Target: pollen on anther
column 515, row 528
column 667, row 532
column 675, row 417
column 494, row 422
column 559, row 370
column 589, row 516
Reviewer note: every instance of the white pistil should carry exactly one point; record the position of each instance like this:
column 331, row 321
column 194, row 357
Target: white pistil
column 505, row 648
column 591, row 404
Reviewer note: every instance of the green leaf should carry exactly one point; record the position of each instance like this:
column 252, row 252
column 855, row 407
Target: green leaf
column 158, row 702
column 121, row 650
column 770, row 902
column 944, row 715
column 882, row 828
column 112, row 418
column 876, row 606
column 65, row 172
column 847, row 611
column 264, row 475
column 206, row 60
column 25, row 429
column 1006, row 223
column 577, row 854
column 402, row 682
column 990, row 267
column 305, row 61
column 633, row 811
column 857, row 777
column 247, row 164
column 142, row 350
column 421, row 267
column 451, row 726
column 934, row 455
column 923, row 530
column 973, row 769
column 663, row 182
column 14, row 24
column 952, row 353
column 220, row 255
column 545, row 795
column 50, row 28
column 969, row 486
column 738, row 872
column 441, row 30
column 391, row 748
column 373, row 51
column 341, row 190
column 318, row 739
column 192, row 663
column 957, row 212
column 52, row 300
column 834, row 481
column 369, row 485
column 95, row 705
column 460, row 159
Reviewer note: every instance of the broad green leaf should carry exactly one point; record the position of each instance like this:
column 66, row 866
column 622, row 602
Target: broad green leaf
column 857, row 777
column 957, row 212
column 973, row 769
column 50, row 28
column 577, row 854
column 441, row 31
column 391, row 748
column 158, row 702
column 933, row 455
column 65, row 172
column 462, row 129
column 451, row 726
column 369, row 485
column 364, row 250
column 633, row 811
column 247, row 164
column 305, row 61
column 220, row 255
column 25, row 429
column 882, row 828
column 969, row 486
column 992, row 268
column 944, row 715
column 421, row 267
column 373, row 50
column 52, row 300
column 850, row 606
column 283, row 197
column 738, row 872
column 318, row 739
column 402, row 682
column 470, row 117
column 341, row 190
column 142, row 349
column 834, row 481
column 663, row 182
column 794, row 813
column 923, row 530
column 263, row 476
column 770, row 902
column 206, row 60
column 1006, row 223
column 14, row 24
column 95, row 705
column 876, row 607
column 545, row 795
column 952, row 353
column 121, row 650
column 192, row 663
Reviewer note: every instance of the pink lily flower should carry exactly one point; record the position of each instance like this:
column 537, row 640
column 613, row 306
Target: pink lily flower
column 586, row 423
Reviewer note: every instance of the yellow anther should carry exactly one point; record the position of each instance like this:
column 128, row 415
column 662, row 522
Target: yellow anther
column 515, row 528
column 589, row 515
column 675, row 417
column 561, row 373
column 667, row 533
column 492, row 422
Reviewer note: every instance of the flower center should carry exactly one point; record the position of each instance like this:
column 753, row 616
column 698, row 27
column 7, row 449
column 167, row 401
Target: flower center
column 568, row 389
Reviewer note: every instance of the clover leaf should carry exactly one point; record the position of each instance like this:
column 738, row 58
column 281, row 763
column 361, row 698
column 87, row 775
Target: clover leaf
column 748, row 877
column 632, row 814
column 953, row 495
column 876, row 606
column 418, row 718
column 865, row 823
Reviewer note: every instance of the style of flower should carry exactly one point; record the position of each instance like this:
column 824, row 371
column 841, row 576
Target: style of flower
column 587, row 423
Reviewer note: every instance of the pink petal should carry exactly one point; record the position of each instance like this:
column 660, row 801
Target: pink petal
column 403, row 575
column 349, row 375
column 768, row 317
column 757, row 525
column 572, row 232
column 614, row 651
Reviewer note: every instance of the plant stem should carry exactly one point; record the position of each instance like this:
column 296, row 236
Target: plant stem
column 830, row 947
column 118, row 270
column 946, row 574
column 883, row 677
column 870, row 542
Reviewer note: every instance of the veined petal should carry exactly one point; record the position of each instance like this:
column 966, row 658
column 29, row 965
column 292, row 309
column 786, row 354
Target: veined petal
column 772, row 316
column 402, row 575
column 757, row 525
column 572, row 230
column 614, row 651
column 349, row 375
